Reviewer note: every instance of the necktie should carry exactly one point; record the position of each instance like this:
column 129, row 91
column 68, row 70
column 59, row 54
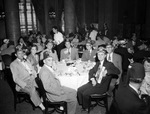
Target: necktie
column 109, row 57
column 98, row 72
column 68, row 52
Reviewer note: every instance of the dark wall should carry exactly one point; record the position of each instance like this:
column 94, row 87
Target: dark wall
column 132, row 11
column 122, row 15
column 2, row 29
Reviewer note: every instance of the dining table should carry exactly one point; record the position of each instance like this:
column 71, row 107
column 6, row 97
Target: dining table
column 73, row 74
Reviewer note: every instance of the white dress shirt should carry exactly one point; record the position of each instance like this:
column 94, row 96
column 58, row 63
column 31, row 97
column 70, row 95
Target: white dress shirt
column 111, row 57
column 99, row 74
column 58, row 37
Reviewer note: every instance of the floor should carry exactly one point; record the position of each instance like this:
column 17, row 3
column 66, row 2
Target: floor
column 6, row 103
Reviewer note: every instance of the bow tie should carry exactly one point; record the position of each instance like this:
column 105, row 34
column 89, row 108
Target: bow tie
column 23, row 60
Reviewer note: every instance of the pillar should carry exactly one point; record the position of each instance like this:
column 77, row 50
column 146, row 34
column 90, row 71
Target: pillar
column 12, row 20
column 69, row 12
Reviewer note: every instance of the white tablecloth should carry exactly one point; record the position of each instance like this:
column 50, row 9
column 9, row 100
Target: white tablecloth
column 74, row 81
column 73, row 76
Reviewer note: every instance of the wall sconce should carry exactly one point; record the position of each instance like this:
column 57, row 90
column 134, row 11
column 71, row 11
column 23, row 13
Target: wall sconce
column 52, row 14
column 2, row 15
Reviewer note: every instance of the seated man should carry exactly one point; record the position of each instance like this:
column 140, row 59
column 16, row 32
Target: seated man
column 115, row 58
column 56, row 92
column 69, row 52
column 99, row 79
column 89, row 54
column 128, row 98
column 24, row 77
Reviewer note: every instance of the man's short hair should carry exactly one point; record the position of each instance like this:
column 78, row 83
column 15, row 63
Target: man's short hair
column 18, row 48
column 136, row 72
column 55, row 27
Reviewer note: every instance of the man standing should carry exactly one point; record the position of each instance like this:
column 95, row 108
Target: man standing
column 24, row 77
column 58, row 40
column 99, row 78
column 54, row 90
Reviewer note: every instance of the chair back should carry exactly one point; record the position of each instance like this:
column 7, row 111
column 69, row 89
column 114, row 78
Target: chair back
column 7, row 59
column 105, row 83
column 110, row 78
column 41, row 89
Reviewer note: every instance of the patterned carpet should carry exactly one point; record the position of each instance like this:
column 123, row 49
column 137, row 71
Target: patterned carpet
column 6, row 103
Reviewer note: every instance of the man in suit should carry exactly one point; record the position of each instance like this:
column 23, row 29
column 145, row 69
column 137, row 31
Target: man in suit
column 89, row 54
column 128, row 99
column 99, row 78
column 54, row 90
column 69, row 52
column 24, row 77
column 116, row 59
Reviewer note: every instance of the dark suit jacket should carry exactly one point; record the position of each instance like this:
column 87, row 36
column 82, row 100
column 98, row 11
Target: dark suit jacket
column 127, row 101
column 111, row 69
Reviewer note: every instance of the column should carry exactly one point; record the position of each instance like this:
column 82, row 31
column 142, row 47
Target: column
column 82, row 11
column 109, row 16
column 12, row 20
column 69, row 12
column 101, row 13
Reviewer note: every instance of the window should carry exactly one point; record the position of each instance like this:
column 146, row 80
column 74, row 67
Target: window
column 28, row 20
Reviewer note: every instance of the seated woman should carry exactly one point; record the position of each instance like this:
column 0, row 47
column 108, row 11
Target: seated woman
column 89, row 54
column 49, row 51
column 39, row 44
column 34, row 58
column 5, row 44
column 22, row 43
column 145, row 88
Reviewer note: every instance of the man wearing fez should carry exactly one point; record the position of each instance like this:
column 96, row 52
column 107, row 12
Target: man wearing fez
column 128, row 98
column 99, row 79
column 54, row 90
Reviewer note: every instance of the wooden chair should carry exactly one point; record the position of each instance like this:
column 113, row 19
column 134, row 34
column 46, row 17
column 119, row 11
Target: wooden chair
column 20, row 97
column 48, row 104
column 100, row 99
column 7, row 61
